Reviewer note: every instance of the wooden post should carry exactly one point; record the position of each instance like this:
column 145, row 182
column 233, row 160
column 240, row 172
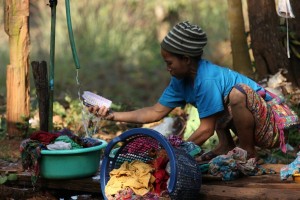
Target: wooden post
column 41, row 84
column 17, row 77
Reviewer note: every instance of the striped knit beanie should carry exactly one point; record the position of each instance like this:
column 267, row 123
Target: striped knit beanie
column 185, row 39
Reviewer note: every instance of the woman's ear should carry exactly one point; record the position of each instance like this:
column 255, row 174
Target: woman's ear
column 187, row 59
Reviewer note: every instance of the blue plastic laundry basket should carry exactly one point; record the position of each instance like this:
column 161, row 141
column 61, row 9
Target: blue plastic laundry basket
column 185, row 178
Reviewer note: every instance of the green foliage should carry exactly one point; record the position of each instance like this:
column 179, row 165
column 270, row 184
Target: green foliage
column 25, row 126
column 73, row 113
column 294, row 40
column 58, row 109
column 7, row 176
column 12, row 177
column 69, row 112
column 3, row 179
column 2, row 127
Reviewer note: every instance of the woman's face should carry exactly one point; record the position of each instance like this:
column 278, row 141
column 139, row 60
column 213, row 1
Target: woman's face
column 178, row 67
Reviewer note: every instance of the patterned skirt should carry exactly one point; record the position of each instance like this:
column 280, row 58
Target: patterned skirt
column 266, row 132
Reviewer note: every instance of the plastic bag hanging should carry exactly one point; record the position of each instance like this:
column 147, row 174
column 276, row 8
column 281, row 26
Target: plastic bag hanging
column 285, row 10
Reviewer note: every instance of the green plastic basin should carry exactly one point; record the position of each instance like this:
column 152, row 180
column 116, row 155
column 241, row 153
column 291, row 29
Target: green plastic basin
column 69, row 164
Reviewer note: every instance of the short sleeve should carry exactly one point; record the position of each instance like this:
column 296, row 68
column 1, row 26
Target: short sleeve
column 173, row 95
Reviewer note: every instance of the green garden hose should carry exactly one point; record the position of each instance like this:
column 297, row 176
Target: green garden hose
column 71, row 37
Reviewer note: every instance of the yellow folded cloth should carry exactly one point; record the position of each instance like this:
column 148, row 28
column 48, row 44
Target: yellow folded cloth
column 135, row 175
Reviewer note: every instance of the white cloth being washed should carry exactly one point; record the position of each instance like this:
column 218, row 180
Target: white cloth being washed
column 59, row 145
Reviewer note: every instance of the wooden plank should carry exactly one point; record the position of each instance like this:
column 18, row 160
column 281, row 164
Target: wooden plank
column 287, row 186
column 20, row 193
column 92, row 184
column 222, row 192
column 15, row 193
column 83, row 185
column 89, row 184
column 8, row 170
column 267, row 178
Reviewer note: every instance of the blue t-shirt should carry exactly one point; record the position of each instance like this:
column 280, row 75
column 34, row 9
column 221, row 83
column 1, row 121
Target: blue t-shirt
column 211, row 85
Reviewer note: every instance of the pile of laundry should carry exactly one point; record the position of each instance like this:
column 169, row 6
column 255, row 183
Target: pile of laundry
column 31, row 147
column 137, row 179
column 235, row 164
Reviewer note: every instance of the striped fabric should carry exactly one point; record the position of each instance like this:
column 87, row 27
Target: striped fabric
column 185, row 39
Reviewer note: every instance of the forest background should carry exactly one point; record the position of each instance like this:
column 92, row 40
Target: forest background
column 118, row 44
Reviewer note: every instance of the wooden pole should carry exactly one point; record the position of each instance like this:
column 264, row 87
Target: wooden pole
column 41, row 84
column 17, row 77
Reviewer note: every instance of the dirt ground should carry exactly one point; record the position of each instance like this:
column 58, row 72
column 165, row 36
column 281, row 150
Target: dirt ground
column 9, row 149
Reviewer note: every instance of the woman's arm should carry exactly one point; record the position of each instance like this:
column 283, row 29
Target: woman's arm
column 204, row 131
column 143, row 115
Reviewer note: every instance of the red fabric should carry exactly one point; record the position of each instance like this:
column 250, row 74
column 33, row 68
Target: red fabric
column 44, row 137
column 161, row 178
column 160, row 163
column 160, row 174
column 161, row 160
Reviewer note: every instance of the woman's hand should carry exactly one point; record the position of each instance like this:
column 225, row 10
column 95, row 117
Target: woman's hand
column 102, row 112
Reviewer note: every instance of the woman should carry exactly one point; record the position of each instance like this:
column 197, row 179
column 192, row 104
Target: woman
column 224, row 98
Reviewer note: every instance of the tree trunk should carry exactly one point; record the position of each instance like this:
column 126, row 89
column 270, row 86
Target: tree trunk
column 240, row 52
column 266, row 41
column 294, row 28
column 17, row 80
